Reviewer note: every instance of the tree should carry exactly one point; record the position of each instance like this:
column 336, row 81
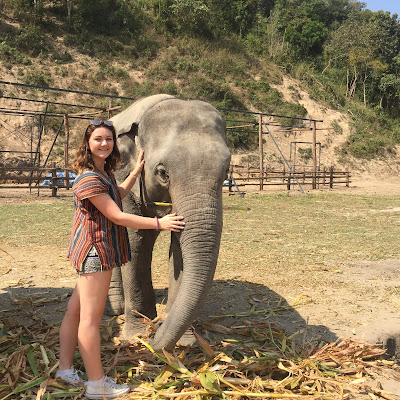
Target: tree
column 352, row 45
column 306, row 37
column 386, row 36
column 237, row 16
column 266, row 7
column 305, row 24
column 107, row 16
column 191, row 16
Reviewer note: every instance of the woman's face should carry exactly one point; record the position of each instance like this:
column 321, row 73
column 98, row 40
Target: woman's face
column 101, row 143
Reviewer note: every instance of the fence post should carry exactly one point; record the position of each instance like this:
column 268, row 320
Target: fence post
column 331, row 177
column 66, row 141
column 288, row 183
column 230, row 181
column 347, row 177
column 314, row 154
column 54, row 182
column 260, row 145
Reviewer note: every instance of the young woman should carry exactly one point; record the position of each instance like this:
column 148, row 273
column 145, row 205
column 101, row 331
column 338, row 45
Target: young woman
column 99, row 243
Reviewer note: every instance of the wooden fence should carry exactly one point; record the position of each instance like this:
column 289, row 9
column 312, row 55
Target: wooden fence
column 34, row 177
column 250, row 176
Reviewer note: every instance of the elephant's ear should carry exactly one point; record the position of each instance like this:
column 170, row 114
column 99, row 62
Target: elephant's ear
column 126, row 125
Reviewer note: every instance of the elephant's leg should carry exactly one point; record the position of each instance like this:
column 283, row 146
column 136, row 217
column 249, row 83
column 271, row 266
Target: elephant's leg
column 115, row 300
column 136, row 279
column 175, row 278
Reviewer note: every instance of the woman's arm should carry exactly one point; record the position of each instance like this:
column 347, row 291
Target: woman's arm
column 107, row 206
column 127, row 184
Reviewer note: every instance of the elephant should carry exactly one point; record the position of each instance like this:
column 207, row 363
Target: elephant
column 186, row 161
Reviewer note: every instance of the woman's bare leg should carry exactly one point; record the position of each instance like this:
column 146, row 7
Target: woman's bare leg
column 69, row 332
column 93, row 290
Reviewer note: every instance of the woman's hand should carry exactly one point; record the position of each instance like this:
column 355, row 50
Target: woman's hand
column 171, row 222
column 139, row 164
column 127, row 184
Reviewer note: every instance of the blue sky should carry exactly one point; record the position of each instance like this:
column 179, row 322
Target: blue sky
column 386, row 5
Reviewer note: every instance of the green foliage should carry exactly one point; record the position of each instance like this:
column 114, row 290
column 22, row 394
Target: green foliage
column 305, row 24
column 269, row 100
column 110, row 71
column 182, row 17
column 22, row 9
column 266, row 7
column 27, row 41
column 363, row 145
column 305, row 154
column 13, row 55
column 62, row 57
column 240, row 134
column 251, row 159
column 205, row 18
column 307, row 37
column 237, row 16
column 190, row 15
column 107, row 16
column 39, row 78
column 224, row 51
column 337, row 129
column 371, row 136
column 202, row 87
column 31, row 40
column 170, row 88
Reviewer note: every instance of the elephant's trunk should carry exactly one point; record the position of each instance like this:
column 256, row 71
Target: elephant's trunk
column 199, row 243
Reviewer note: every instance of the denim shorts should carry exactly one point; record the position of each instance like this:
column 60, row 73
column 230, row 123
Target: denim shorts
column 91, row 263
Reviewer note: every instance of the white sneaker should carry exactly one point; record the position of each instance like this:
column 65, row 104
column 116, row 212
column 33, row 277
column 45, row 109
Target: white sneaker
column 70, row 376
column 105, row 388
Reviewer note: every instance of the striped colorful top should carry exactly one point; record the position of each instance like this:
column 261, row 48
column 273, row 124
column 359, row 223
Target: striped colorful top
column 91, row 228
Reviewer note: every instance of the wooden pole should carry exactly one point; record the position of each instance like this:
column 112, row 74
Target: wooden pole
column 314, row 154
column 66, row 140
column 66, row 151
column 260, row 146
column 54, row 182
column 109, row 108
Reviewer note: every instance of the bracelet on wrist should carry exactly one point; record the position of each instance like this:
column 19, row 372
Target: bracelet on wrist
column 157, row 224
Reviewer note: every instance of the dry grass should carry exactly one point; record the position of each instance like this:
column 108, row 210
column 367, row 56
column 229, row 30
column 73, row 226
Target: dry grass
column 253, row 359
column 264, row 363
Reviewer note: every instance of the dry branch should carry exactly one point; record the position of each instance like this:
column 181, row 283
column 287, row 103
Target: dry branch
column 263, row 363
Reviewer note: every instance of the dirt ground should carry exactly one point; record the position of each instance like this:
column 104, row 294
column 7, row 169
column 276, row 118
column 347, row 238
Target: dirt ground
column 36, row 282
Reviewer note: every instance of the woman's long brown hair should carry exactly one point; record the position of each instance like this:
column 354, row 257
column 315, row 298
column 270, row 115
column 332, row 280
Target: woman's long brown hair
column 84, row 159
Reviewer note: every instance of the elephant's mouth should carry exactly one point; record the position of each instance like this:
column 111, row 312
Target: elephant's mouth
column 156, row 207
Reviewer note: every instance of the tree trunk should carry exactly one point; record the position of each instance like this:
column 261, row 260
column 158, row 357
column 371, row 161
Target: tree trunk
column 70, row 4
column 353, row 84
column 364, row 89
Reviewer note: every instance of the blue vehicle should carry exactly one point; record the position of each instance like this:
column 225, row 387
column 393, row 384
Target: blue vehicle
column 61, row 182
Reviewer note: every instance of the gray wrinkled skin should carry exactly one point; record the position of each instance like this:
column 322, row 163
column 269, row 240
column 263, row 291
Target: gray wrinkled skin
column 186, row 159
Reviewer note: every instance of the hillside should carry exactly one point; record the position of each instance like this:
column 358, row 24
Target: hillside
column 225, row 72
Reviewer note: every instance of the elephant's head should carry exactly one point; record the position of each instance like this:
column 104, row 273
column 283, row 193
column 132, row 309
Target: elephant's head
column 186, row 160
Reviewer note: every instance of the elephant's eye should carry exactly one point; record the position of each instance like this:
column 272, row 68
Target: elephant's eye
column 161, row 172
